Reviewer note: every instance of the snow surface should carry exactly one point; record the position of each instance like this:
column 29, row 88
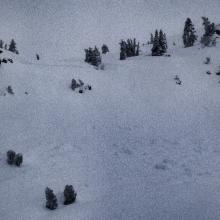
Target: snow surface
column 138, row 146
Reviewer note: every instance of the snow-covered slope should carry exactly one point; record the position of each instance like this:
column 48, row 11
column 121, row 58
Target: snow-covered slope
column 136, row 147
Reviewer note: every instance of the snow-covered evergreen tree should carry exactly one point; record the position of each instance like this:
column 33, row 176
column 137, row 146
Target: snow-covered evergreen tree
column 208, row 39
column 189, row 33
column 165, row 41
column 96, row 59
column 12, row 46
column 69, row 195
column 156, row 49
column 51, row 200
column 1, row 44
column 129, row 48
column 10, row 156
column 93, row 56
column 37, row 56
column 151, row 38
column 162, row 42
column 122, row 50
column 18, row 160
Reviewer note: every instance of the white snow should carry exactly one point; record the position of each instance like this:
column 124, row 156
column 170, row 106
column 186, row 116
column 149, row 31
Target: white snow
column 138, row 146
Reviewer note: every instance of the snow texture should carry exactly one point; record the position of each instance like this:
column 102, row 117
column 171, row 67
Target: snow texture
column 137, row 146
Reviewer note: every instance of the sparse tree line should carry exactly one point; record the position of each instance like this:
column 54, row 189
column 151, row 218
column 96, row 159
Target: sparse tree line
column 208, row 39
column 129, row 47
column 12, row 46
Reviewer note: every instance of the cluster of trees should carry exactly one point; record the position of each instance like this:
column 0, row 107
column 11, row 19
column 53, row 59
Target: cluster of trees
column 51, row 199
column 93, row 56
column 159, row 44
column 129, row 48
column 105, row 49
column 189, row 34
column 80, row 86
column 12, row 46
column 13, row 158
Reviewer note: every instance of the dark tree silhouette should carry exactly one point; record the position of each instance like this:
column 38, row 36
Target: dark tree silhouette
column 51, row 200
column 189, row 33
column 69, row 195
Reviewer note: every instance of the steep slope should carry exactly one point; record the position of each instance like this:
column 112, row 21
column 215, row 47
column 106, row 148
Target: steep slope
column 137, row 146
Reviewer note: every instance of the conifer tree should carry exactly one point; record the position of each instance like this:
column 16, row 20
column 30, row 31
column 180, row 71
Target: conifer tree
column 151, row 38
column 96, row 57
column 1, row 44
column 18, row 159
column 189, row 33
column 51, row 200
column 37, row 56
column 129, row 48
column 208, row 38
column 162, row 42
column 156, row 49
column 137, row 49
column 12, row 46
column 10, row 156
column 93, row 56
column 122, row 50
column 69, row 195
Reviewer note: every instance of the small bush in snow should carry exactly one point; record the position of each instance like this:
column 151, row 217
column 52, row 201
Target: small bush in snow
column 51, row 199
column 178, row 81
column 10, row 90
column 207, row 60
column 37, row 57
column 105, row 49
column 10, row 157
column 93, row 56
column 4, row 60
column 18, row 160
column 80, row 86
column 74, row 84
column 208, row 72
column 218, row 73
column 69, row 195
column 10, row 60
